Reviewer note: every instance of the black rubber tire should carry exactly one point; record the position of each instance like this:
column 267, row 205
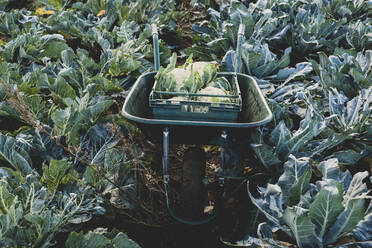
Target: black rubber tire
column 193, row 190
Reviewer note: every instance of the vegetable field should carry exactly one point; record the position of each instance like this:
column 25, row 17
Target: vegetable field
column 75, row 173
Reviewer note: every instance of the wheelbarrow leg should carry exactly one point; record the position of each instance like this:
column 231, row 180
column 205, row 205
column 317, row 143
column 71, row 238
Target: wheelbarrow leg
column 221, row 179
column 166, row 155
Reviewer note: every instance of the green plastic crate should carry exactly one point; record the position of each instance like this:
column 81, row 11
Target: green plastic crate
column 196, row 110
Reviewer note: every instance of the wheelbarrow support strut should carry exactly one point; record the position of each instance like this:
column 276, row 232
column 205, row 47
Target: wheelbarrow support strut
column 166, row 155
column 221, row 179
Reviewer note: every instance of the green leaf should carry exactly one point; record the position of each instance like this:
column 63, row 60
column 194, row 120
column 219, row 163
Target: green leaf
column 99, row 238
column 55, row 173
column 122, row 240
column 38, row 200
column 93, row 240
column 270, row 202
column 14, row 155
column 325, row 209
column 356, row 188
column 53, row 49
column 36, row 105
column 300, row 187
column 78, row 219
column 303, row 230
column 63, row 89
column 266, row 156
column 346, row 221
column 6, row 199
column 330, row 169
column 349, row 157
column 90, row 176
column 279, row 137
column 363, row 229
column 61, row 118
column 295, row 179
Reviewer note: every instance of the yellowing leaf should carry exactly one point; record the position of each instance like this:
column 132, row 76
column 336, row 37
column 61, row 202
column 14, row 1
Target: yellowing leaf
column 42, row 11
column 65, row 35
column 101, row 13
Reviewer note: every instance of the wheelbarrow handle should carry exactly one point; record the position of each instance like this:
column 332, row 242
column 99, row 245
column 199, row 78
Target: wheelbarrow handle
column 155, row 39
column 238, row 57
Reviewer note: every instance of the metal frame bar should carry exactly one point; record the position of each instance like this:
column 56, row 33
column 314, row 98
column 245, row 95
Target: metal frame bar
column 155, row 39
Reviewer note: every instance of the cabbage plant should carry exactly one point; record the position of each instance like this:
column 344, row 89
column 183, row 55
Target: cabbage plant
column 314, row 215
column 34, row 208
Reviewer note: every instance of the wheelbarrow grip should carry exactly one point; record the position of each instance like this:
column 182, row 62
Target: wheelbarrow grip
column 238, row 57
column 155, row 39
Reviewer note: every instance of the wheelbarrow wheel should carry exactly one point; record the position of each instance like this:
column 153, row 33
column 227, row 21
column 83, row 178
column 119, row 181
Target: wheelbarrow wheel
column 192, row 183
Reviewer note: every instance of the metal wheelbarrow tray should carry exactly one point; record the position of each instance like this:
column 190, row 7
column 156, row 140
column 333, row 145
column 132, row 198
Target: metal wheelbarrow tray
column 255, row 112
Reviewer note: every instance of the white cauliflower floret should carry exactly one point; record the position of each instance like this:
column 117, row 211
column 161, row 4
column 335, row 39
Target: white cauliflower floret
column 199, row 66
column 210, row 90
column 180, row 75
column 178, row 98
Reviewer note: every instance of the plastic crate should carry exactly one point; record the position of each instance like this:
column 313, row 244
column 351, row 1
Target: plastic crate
column 196, row 110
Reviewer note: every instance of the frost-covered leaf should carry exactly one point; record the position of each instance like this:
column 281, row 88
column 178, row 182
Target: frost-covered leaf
column 290, row 73
column 295, row 179
column 270, row 203
column 357, row 189
column 303, row 230
column 14, row 155
column 325, row 209
column 100, row 238
column 266, row 156
column 330, row 169
column 363, row 230
column 260, row 62
column 122, row 240
column 346, row 221
column 349, row 157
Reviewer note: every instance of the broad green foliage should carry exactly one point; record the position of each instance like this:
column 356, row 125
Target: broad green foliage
column 312, row 31
column 100, row 238
column 260, row 62
column 62, row 77
column 13, row 154
column 345, row 8
column 302, row 229
column 58, row 172
column 295, row 180
column 33, row 212
column 347, row 73
column 359, row 35
column 322, row 213
column 311, row 60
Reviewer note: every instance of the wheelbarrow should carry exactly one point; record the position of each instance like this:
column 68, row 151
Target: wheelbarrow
column 255, row 112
